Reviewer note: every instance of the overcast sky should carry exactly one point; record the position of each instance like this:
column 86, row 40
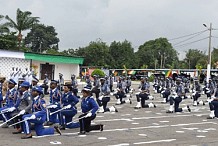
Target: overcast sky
column 78, row 22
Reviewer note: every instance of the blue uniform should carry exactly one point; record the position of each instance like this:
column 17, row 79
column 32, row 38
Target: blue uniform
column 88, row 105
column 55, row 99
column 40, row 112
column 105, row 91
column 69, row 99
column 10, row 102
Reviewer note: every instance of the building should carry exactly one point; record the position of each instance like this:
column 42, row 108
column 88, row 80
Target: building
column 40, row 64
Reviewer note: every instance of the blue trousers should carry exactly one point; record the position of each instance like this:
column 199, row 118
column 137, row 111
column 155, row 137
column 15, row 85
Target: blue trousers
column 214, row 106
column 40, row 130
column 69, row 114
column 176, row 101
column 55, row 118
column 6, row 115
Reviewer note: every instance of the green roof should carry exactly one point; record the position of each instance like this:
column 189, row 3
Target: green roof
column 54, row 58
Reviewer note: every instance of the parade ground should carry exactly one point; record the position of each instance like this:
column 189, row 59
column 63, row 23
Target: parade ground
column 129, row 127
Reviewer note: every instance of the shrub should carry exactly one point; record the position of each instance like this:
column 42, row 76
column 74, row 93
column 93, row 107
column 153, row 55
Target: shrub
column 98, row 72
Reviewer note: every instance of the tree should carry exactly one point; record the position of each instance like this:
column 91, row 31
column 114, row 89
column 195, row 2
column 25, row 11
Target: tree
column 95, row 54
column 3, row 27
column 24, row 21
column 8, row 41
column 122, row 53
column 158, row 52
column 214, row 58
column 194, row 57
column 42, row 38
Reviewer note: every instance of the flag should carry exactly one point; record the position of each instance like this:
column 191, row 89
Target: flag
column 131, row 72
column 168, row 73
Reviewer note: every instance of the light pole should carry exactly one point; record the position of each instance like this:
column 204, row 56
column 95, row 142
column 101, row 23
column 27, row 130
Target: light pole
column 209, row 52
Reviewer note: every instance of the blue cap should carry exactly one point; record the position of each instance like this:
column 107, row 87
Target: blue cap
column 35, row 79
column 54, row 82
column 12, row 82
column 87, row 88
column 38, row 89
column 25, row 84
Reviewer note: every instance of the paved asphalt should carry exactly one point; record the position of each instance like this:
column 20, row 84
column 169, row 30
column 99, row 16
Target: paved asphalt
column 128, row 127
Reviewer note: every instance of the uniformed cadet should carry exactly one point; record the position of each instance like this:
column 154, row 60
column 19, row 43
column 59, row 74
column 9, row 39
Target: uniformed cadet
column 89, row 108
column 88, row 81
column 69, row 101
column 22, row 106
column 111, row 82
column 2, row 79
column 143, row 95
column 213, row 104
column 55, row 103
column 34, row 81
column 20, row 81
column 121, row 86
column 60, row 82
column 38, row 116
column 104, row 98
column 10, row 101
column 128, row 84
column 166, row 91
column 176, row 98
column 196, row 92
column 74, row 85
column 96, row 86
column 209, row 89
column 45, row 84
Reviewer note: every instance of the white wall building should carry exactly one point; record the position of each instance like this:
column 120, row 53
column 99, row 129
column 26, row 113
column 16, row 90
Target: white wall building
column 40, row 64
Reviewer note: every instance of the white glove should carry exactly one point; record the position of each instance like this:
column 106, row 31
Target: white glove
column 100, row 97
column 32, row 117
column 52, row 106
column 88, row 115
column 22, row 112
column 11, row 109
column 162, row 91
column 67, row 107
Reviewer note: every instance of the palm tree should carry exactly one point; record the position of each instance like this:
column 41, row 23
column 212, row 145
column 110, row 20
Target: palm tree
column 3, row 27
column 24, row 21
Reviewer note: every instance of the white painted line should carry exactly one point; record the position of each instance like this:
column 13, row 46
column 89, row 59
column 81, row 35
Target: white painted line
column 136, row 128
column 135, row 123
column 148, row 111
column 190, row 128
column 202, row 131
column 111, row 120
column 159, row 117
column 204, row 120
column 136, row 110
column 161, row 126
column 163, row 121
column 143, row 135
column 102, row 138
column 82, row 136
column 76, row 133
column 200, row 136
column 55, row 142
column 210, row 129
column 99, row 116
column 193, row 124
column 121, row 144
column 180, row 131
column 155, row 124
column 158, row 113
column 156, row 141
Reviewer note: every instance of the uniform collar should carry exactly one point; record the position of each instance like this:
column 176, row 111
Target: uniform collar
column 35, row 98
column 11, row 89
column 53, row 90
